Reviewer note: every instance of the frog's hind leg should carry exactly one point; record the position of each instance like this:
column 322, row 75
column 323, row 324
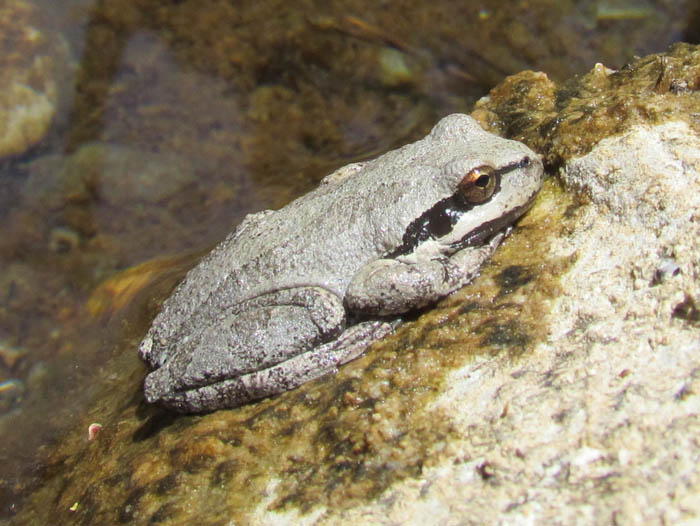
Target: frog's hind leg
column 265, row 345
column 248, row 336
column 284, row 376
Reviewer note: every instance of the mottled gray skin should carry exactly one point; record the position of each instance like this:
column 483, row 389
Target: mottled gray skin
column 294, row 293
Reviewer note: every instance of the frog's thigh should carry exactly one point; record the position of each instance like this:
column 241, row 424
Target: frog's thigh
column 250, row 336
column 284, row 376
column 391, row 286
column 269, row 329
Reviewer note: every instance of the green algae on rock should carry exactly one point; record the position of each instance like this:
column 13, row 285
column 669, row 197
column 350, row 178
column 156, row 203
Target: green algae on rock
column 565, row 121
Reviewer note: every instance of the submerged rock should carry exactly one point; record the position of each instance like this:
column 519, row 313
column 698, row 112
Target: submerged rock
column 105, row 193
column 33, row 73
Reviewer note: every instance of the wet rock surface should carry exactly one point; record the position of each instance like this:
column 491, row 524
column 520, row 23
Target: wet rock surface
column 567, row 120
column 560, row 387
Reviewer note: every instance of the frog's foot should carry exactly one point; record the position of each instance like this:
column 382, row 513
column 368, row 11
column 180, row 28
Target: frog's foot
column 284, row 376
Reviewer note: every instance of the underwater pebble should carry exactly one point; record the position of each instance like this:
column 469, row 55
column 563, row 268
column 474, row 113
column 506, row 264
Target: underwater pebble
column 94, row 430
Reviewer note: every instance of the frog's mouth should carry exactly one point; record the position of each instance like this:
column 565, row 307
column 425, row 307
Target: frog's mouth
column 484, row 232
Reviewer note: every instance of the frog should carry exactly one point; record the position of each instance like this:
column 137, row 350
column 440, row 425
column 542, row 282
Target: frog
column 291, row 295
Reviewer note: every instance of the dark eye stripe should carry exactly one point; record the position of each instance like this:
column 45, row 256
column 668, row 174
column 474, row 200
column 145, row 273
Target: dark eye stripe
column 440, row 218
column 435, row 222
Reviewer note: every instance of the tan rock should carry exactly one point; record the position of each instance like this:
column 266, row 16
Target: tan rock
column 31, row 63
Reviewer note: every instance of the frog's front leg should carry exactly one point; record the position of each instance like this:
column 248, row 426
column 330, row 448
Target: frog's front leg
column 392, row 286
column 263, row 346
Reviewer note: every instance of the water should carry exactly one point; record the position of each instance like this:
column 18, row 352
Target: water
column 175, row 119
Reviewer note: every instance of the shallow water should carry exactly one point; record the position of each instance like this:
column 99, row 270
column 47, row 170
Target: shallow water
column 179, row 118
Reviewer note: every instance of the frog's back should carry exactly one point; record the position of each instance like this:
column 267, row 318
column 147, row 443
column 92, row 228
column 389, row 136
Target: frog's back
column 320, row 239
column 324, row 237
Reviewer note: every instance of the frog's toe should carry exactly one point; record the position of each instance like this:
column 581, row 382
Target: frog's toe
column 153, row 349
column 146, row 350
column 169, row 387
column 158, row 385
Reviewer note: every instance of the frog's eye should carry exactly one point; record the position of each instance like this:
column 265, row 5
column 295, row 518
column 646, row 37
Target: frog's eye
column 479, row 184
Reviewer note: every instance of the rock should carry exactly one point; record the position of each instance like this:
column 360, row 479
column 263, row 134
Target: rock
column 34, row 66
column 104, row 193
column 119, row 176
column 600, row 419
column 10, row 355
column 561, row 387
column 567, row 121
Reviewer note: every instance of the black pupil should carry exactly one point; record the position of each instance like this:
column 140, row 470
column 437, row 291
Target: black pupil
column 482, row 181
